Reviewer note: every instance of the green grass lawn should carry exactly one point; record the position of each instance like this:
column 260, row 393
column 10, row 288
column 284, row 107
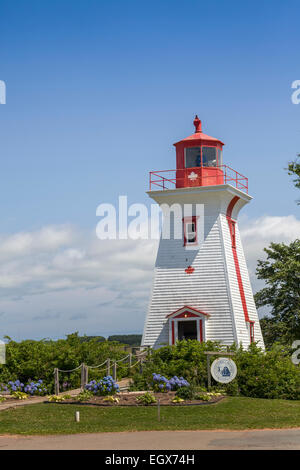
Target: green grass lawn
column 231, row 413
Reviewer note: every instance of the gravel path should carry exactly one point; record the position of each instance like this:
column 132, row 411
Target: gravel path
column 159, row 440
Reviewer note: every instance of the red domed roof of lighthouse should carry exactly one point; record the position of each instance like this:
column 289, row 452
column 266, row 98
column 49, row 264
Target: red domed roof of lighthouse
column 199, row 136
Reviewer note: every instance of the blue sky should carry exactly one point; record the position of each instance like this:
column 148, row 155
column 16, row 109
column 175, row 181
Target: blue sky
column 98, row 91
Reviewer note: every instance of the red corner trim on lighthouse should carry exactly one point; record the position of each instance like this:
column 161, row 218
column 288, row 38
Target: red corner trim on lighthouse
column 235, row 257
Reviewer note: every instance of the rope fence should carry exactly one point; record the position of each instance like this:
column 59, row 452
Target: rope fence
column 109, row 364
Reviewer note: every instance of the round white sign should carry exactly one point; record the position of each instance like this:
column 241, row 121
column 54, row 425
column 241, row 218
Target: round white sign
column 223, row 370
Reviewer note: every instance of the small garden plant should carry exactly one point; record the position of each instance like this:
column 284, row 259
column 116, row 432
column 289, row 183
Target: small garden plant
column 177, row 399
column 84, row 395
column 19, row 395
column 111, row 399
column 59, row 398
column 146, row 399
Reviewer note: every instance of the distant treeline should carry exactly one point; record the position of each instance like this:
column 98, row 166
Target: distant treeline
column 131, row 340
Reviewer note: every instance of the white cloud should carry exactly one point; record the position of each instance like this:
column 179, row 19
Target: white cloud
column 257, row 234
column 60, row 279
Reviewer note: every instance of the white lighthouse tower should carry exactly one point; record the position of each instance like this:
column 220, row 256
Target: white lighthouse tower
column 201, row 288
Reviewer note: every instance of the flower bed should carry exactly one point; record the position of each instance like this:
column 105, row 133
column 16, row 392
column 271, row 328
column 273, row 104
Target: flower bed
column 130, row 399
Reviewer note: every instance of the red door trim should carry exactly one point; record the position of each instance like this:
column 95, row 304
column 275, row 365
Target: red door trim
column 173, row 332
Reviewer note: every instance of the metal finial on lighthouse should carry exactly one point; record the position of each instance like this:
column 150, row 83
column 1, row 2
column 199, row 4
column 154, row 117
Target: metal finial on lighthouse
column 197, row 124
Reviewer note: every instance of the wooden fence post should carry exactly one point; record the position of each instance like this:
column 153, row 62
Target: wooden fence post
column 108, row 366
column 82, row 376
column 130, row 360
column 141, row 366
column 158, row 409
column 86, row 375
column 115, row 371
column 208, row 372
column 56, row 382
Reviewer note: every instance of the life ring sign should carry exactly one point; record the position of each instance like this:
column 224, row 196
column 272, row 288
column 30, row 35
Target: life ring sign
column 223, row 370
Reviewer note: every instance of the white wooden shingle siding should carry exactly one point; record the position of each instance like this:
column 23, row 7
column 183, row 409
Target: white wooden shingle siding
column 213, row 286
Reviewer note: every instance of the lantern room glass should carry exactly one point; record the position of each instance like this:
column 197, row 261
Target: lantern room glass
column 192, row 157
column 209, row 156
column 204, row 156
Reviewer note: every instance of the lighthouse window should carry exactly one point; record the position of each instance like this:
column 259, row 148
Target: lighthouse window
column 192, row 157
column 233, row 233
column 209, row 156
column 251, row 324
column 190, row 234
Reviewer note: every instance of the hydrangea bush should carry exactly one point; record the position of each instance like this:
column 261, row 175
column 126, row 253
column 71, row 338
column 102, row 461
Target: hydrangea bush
column 31, row 388
column 36, row 388
column 161, row 384
column 14, row 386
column 105, row 386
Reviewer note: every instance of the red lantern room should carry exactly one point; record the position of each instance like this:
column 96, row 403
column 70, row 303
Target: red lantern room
column 199, row 162
column 199, row 159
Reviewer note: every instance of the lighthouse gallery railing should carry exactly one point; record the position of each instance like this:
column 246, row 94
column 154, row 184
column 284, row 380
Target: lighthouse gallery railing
column 199, row 176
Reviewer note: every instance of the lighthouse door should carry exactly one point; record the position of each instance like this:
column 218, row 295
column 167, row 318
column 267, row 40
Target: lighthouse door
column 187, row 329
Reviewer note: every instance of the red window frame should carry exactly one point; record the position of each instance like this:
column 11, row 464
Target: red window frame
column 189, row 220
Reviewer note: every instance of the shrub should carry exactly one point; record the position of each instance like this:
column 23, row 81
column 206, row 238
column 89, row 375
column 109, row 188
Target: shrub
column 34, row 360
column 139, row 382
column 106, row 386
column 186, row 393
column 31, row 388
column 36, row 388
column 184, row 359
column 268, row 374
column 3, row 388
column 15, row 386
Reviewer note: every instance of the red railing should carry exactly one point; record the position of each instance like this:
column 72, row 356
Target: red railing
column 199, row 176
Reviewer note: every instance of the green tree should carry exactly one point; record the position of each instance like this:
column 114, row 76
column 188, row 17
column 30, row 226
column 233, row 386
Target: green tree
column 281, row 273
column 294, row 170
